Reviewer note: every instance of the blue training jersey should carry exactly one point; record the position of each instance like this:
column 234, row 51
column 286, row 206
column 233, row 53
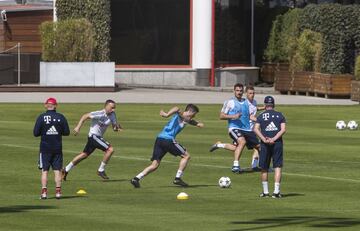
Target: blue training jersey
column 270, row 123
column 245, row 124
column 232, row 107
column 172, row 128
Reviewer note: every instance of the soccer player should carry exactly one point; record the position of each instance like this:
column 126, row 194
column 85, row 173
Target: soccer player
column 51, row 126
column 165, row 142
column 253, row 108
column 100, row 120
column 270, row 126
column 236, row 112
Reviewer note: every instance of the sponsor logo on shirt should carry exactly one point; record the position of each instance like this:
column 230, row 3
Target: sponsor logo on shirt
column 271, row 127
column 52, row 131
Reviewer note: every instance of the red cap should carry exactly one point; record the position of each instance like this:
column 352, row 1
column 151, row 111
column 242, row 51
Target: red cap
column 51, row 101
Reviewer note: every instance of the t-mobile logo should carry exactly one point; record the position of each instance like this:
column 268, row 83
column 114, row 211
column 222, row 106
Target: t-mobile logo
column 47, row 119
column 266, row 116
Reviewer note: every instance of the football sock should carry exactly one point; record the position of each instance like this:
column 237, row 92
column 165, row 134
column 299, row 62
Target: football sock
column 69, row 167
column 220, row 145
column 277, row 188
column 102, row 167
column 236, row 163
column 254, row 162
column 265, row 187
column 179, row 174
column 140, row 176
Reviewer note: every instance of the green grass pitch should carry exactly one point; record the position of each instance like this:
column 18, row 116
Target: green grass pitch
column 321, row 180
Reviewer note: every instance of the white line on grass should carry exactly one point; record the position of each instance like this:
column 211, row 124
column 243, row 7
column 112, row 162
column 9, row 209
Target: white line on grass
column 199, row 165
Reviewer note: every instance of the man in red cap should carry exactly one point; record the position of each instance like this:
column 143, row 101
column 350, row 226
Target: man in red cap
column 51, row 126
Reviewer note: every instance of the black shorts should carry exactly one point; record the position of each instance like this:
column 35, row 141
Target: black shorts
column 55, row 160
column 96, row 142
column 163, row 146
column 268, row 152
column 249, row 136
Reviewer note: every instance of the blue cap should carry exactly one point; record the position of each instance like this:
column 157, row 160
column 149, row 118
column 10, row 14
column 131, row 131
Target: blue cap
column 269, row 100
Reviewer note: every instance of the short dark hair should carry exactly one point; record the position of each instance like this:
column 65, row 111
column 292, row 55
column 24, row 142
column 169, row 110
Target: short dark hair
column 250, row 87
column 192, row 107
column 109, row 101
column 238, row 85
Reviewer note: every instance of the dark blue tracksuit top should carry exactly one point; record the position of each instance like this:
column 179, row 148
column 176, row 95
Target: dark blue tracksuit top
column 51, row 126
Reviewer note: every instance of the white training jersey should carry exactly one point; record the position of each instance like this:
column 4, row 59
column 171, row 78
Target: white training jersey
column 100, row 121
column 252, row 111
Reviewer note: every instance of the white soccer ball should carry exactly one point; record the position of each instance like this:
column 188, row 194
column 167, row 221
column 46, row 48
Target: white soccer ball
column 340, row 125
column 352, row 125
column 224, row 182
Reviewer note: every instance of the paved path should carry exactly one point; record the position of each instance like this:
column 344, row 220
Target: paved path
column 144, row 95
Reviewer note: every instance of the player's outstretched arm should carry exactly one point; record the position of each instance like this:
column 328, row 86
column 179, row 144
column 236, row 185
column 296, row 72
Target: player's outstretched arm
column 169, row 113
column 196, row 123
column 224, row 116
column 117, row 127
column 81, row 122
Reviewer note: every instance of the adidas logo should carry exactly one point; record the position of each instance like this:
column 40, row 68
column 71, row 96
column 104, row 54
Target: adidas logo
column 271, row 127
column 52, row 131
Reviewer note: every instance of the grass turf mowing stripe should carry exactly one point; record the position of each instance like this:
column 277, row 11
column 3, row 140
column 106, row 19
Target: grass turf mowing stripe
column 200, row 165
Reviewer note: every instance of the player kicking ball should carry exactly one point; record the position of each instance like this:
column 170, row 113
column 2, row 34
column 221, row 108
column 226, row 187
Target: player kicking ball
column 165, row 142
column 100, row 120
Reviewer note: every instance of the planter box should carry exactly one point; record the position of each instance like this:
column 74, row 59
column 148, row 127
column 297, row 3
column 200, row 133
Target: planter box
column 355, row 90
column 283, row 81
column 87, row 74
column 332, row 84
column 302, row 82
column 268, row 71
column 311, row 82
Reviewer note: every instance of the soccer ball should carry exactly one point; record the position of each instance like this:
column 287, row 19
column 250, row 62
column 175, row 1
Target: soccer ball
column 352, row 125
column 224, row 182
column 340, row 125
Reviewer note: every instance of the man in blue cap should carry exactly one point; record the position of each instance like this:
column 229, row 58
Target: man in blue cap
column 270, row 127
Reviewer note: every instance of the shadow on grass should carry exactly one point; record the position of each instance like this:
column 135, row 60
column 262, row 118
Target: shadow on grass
column 24, row 208
column 70, row 197
column 190, row 186
column 293, row 194
column 288, row 221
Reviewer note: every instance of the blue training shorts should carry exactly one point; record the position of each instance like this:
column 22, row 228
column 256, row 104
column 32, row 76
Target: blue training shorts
column 268, row 152
column 55, row 160
column 250, row 137
column 163, row 146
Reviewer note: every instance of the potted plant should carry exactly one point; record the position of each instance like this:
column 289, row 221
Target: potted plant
column 68, row 55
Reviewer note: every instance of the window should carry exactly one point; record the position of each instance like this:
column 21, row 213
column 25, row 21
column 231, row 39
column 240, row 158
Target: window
column 150, row 32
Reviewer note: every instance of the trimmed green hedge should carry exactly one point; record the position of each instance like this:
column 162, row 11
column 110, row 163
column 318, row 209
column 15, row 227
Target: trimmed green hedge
column 283, row 36
column 340, row 26
column 67, row 41
column 357, row 68
column 307, row 56
column 98, row 13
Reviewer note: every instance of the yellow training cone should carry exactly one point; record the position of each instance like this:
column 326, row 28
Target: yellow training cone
column 81, row 192
column 182, row 196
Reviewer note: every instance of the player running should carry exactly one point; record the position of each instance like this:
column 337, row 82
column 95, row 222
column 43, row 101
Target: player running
column 236, row 111
column 165, row 142
column 270, row 127
column 51, row 126
column 100, row 120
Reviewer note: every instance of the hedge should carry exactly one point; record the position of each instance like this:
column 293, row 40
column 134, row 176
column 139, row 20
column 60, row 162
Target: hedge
column 357, row 68
column 283, row 36
column 98, row 13
column 67, row 41
column 307, row 56
column 340, row 26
